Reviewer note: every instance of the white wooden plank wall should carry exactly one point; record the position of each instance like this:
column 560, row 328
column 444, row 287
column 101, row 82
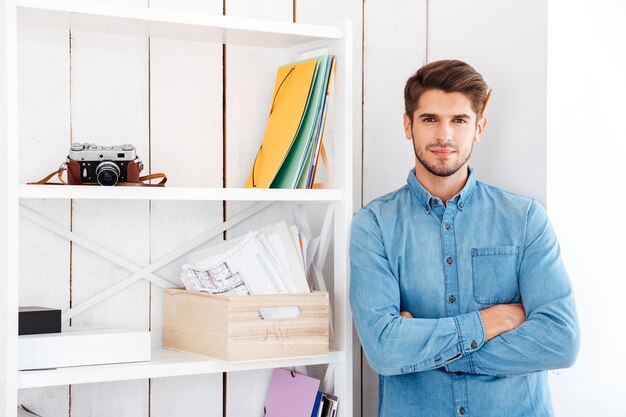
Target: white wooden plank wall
column 44, row 129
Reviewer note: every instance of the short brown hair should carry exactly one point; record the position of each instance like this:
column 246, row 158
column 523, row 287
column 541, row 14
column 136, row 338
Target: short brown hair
column 450, row 76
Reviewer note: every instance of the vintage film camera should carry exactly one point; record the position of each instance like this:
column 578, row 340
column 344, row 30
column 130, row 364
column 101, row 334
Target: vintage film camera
column 88, row 163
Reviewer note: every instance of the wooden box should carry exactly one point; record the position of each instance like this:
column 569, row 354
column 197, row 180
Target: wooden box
column 231, row 328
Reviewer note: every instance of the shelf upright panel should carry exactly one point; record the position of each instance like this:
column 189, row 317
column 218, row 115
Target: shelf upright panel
column 8, row 209
column 342, row 220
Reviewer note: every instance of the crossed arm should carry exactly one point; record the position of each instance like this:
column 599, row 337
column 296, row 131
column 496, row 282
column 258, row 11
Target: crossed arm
column 504, row 339
column 497, row 319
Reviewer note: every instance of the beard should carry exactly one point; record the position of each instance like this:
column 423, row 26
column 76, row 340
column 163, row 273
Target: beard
column 439, row 167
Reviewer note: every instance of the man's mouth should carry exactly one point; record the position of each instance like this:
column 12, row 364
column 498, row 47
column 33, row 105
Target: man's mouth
column 442, row 152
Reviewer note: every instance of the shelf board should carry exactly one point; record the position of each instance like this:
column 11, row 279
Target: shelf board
column 175, row 193
column 164, row 363
column 161, row 23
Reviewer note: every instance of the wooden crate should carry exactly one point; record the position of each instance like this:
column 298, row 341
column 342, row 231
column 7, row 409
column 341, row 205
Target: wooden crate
column 230, row 327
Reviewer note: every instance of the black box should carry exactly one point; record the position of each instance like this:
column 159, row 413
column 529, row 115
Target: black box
column 39, row 320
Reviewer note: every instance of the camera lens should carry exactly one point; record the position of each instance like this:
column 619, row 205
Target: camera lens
column 107, row 173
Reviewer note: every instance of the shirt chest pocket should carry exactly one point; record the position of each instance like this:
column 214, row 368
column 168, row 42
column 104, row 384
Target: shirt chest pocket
column 494, row 275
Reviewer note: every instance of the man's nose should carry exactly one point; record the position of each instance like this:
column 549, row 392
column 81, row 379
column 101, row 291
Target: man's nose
column 445, row 132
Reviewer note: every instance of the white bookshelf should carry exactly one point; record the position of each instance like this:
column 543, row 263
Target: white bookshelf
column 175, row 25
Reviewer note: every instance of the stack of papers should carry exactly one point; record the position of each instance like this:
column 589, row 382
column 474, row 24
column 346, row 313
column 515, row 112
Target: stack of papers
column 270, row 260
column 288, row 156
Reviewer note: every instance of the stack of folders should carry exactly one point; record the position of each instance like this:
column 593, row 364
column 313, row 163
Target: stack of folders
column 270, row 260
column 294, row 395
column 289, row 153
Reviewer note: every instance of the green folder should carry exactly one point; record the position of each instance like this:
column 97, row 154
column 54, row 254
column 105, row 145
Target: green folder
column 291, row 168
column 318, row 126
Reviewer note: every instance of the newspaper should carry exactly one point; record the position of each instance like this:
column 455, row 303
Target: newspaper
column 249, row 267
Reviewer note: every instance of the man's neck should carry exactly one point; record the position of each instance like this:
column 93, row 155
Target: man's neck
column 443, row 187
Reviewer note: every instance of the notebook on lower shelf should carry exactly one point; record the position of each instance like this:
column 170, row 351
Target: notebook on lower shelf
column 290, row 394
column 79, row 347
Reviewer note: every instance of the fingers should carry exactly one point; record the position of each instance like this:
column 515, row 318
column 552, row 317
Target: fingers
column 406, row 315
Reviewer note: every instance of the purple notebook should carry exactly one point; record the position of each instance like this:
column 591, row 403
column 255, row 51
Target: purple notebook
column 290, row 394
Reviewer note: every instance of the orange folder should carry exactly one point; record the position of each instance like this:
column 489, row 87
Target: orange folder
column 289, row 100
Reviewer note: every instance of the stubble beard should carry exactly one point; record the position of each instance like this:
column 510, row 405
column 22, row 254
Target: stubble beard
column 442, row 169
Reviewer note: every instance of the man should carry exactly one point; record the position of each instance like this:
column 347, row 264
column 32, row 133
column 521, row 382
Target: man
column 458, row 291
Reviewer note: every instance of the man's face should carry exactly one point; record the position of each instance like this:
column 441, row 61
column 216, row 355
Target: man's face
column 444, row 130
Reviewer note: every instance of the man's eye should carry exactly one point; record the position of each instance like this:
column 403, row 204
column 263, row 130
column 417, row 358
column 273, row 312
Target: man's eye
column 462, row 121
column 429, row 120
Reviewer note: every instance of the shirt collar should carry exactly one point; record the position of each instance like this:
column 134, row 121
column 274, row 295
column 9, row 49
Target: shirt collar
column 424, row 197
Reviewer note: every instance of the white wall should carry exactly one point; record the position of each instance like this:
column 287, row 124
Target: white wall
column 586, row 176
column 504, row 40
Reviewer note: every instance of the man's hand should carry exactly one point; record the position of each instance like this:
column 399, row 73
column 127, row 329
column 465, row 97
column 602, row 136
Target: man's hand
column 497, row 319
column 502, row 318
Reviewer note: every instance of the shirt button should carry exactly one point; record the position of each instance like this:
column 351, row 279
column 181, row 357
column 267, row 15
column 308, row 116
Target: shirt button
column 452, row 298
column 460, row 204
column 433, row 201
column 474, row 345
column 461, row 411
column 449, row 261
column 447, row 226
column 427, row 209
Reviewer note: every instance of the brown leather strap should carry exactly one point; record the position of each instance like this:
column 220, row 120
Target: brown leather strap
column 153, row 177
column 141, row 182
column 59, row 173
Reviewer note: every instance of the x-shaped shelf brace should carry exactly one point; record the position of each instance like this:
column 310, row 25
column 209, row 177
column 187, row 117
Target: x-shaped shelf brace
column 138, row 272
column 147, row 271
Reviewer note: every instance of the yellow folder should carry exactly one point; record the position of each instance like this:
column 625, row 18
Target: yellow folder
column 291, row 93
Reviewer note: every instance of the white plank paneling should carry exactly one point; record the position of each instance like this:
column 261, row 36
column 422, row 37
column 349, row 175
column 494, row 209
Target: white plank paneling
column 44, row 137
column 43, row 65
column 197, row 395
column 246, row 393
column 250, row 75
column 110, row 106
column 506, row 42
column 110, row 399
column 48, row 401
column 185, row 143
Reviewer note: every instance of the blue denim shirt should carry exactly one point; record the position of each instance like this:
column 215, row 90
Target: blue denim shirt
column 443, row 264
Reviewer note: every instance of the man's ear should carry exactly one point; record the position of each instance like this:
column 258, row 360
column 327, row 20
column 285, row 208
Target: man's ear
column 408, row 127
column 480, row 128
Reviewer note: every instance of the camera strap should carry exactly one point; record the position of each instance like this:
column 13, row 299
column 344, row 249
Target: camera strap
column 142, row 179
column 58, row 173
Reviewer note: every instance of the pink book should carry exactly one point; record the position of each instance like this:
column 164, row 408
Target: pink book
column 290, row 394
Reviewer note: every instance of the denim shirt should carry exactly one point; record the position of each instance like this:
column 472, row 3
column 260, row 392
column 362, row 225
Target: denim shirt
column 444, row 263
